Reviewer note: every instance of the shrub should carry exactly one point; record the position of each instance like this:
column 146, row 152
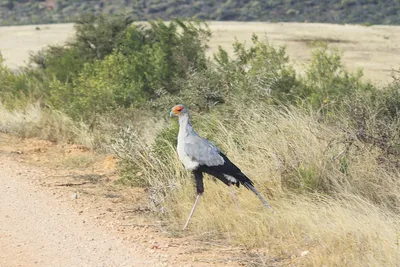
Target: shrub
column 327, row 82
column 15, row 88
column 148, row 63
column 374, row 119
column 269, row 71
column 96, row 37
column 259, row 72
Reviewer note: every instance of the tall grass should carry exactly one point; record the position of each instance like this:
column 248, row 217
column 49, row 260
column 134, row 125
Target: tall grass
column 36, row 121
column 335, row 201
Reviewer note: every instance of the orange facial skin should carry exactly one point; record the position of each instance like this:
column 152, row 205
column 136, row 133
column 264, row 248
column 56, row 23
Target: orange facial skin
column 177, row 109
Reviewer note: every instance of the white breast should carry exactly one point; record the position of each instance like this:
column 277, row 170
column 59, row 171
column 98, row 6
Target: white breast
column 185, row 159
column 184, row 131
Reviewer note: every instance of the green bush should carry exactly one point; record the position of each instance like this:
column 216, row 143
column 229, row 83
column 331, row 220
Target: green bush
column 148, row 62
column 96, row 37
column 270, row 75
column 260, row 71
column 327, row 82
column 15, row 88
column 164, row 63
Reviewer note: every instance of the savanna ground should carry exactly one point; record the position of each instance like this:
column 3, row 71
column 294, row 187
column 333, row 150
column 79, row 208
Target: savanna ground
column 335, row 191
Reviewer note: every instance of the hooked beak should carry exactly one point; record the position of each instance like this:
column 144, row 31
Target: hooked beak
column 171, row 113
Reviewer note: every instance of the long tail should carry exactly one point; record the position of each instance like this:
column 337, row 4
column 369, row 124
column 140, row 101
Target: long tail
column 251, row 187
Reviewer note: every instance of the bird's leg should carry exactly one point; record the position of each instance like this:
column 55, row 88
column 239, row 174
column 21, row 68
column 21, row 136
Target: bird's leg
column 192, row 211
column 198, row 176
column 235, row 199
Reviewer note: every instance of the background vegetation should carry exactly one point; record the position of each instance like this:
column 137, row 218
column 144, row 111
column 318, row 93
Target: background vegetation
column 17, row 12
column 323, row 147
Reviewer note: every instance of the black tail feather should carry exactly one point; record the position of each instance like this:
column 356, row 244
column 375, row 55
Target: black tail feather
column 229, row 169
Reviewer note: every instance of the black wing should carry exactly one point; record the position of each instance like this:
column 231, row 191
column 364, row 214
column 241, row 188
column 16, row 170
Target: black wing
column 235, row 175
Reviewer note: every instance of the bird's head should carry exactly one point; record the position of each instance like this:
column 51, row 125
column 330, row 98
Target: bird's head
column 178, row 110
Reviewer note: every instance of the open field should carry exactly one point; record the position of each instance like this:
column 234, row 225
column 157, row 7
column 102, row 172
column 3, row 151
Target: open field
column 323, row 149
column 376, row 49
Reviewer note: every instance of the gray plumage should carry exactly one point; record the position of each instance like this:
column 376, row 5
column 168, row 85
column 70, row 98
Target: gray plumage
column 202, row 151
column 201, row 156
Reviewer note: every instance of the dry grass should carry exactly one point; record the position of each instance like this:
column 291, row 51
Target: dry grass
column 342, row 218
column 34, row 121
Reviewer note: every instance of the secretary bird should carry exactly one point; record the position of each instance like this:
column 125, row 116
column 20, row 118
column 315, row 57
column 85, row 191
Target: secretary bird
column 201, row 156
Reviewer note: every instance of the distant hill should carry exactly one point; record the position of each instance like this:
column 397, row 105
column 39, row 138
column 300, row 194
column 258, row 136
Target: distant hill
column 16, row 12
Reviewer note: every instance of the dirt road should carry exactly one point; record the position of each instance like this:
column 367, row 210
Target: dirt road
column 60, row 206
column 37, row 229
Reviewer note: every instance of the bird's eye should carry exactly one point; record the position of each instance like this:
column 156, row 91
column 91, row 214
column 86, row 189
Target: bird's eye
column 179, row 109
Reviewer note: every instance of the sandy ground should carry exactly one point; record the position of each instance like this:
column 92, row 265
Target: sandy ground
column 16, row 42
column 37, row 229
column 376, row 49
column 57, row 211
